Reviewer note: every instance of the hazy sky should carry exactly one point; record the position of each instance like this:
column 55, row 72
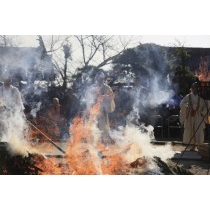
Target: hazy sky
column 166, row 40
column 187, row 41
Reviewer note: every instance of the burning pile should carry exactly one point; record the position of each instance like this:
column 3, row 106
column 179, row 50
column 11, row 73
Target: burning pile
column 16, row 164
column 89, row 150
column 85, row 152
column 32, row 164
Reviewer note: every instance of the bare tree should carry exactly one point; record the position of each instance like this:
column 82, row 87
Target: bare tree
column 59, row 48
column 100, row 50
column 9, row 41
column 82, row 51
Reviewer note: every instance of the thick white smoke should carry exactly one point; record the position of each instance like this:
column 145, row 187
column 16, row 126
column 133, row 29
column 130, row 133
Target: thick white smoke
column 14, row 130
column 131, row 141
column 139, row 139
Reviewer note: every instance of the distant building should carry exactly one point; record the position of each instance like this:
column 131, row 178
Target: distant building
column 195, row 57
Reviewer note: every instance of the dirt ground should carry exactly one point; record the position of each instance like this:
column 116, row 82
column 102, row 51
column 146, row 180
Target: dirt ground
column 195, row 166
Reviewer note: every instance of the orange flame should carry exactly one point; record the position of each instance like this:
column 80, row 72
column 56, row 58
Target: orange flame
column 203, row 73
column 85, row 154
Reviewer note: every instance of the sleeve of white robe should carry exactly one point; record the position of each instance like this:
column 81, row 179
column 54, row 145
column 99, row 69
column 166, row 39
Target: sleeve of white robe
column 183, row 109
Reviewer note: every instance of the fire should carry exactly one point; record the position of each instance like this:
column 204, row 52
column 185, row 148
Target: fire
column 203, row 72
column 85, row 152
column 47, row 166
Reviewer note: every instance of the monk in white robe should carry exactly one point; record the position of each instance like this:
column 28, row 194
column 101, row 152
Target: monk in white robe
column 193, row 115
column 11, row 106
column 105, row 97
column 10, row 96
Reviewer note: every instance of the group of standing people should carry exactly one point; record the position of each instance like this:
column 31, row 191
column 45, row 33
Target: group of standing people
column 194, row 110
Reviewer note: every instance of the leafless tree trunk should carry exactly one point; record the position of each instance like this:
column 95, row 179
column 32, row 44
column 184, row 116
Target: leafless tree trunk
column 86, row 50
column 100, row 50
column 56, row 46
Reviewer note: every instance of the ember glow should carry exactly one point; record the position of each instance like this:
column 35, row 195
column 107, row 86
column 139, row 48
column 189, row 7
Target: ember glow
column 203, row 72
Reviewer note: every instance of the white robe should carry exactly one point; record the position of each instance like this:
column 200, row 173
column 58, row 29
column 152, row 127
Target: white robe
column 107, row 106
column 194, row 121
column 11, row 99
column 12, row 115
column 104, row 97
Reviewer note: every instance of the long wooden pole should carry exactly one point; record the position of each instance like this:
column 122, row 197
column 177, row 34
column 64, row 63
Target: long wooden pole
column 47, row 137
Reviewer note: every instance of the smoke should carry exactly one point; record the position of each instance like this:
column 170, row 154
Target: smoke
column 14, row 130
column 25, row 61
column 139, row 140
column 30, row 66
column 131, row 141
column 35, row 109
column 89, row 98
column 28, row 62
column 152, row 86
